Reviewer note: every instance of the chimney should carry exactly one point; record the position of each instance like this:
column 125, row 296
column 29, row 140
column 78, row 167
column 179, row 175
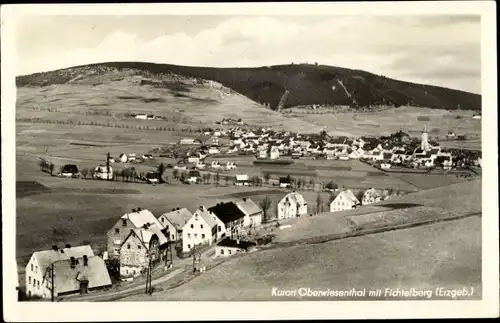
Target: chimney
column 244, row 199
column 138, row 209
column 54, row 247
column 85, row 260
column 72, row 262
column 62, row 250
column 178, row 208
column 133, row 210
column 68, row 245
column 173, row 209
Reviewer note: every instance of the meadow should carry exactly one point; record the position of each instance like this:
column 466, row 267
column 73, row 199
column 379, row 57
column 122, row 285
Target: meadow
column 411, row 120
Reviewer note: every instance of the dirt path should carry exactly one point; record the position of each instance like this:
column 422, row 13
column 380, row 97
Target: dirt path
column 104, row 296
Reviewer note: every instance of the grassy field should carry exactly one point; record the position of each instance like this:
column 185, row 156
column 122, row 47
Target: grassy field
column 423, row 258
column 408, row 119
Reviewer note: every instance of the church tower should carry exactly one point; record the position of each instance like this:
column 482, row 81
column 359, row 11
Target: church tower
column 425, row 140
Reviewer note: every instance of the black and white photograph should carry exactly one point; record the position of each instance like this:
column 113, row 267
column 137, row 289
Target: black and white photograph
column 307, row 154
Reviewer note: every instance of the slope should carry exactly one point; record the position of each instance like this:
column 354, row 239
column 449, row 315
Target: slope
column 308, row 84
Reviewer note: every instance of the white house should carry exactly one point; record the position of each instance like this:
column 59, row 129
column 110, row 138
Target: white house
column 274, row 153
column 40, row 263
column 200, row 229
column 241, row 180
column 371, row 196
column 344, row 201
column 174, row 221
column 253, row 213
column 292, row 205
column 228, row 247
column 263, row 154
column 123, row 158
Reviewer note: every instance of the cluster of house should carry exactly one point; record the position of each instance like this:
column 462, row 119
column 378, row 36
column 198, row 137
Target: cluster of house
column 347, row 200
column 139, row 239
column 397, row 149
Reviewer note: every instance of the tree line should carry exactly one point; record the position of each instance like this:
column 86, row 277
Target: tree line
column 111, row 125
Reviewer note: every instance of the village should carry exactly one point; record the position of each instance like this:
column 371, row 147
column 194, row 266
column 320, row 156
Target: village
column 141, row 242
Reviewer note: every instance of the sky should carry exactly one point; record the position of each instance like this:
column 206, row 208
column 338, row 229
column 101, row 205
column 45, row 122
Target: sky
column 439, row 50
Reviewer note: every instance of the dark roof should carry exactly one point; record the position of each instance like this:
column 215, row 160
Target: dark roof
column 70, row 169
column 227, row 212
column 228, row 242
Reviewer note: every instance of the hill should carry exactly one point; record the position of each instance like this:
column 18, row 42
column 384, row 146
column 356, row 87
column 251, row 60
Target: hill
column 308, row 84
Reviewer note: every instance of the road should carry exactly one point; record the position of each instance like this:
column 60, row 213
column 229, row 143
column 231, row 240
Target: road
column 103, row 296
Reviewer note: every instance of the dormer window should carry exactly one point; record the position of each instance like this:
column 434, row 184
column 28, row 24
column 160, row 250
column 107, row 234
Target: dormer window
column 124, row 222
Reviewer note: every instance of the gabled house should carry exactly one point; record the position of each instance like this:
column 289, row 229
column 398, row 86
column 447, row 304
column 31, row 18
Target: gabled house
column 200, row 229
column 371, row 196
column 253, row 213
column 230, row 214
column 346, row 200
column 139, row 248
column 39, row 263
column 292, row 205
column 173, row 222
column 134, row 220
column 76, row 275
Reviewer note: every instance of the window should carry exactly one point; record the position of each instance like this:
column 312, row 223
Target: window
column 162, row 220
column 222, row 251
column 38, row 284
column 139, row 247
column 29, row 280
column 31, row 267
column 36, row 269
column 220, row 229
column 203, row 236
column 117, row 230
column 189, row 235
column 128, row 245
column 196, row 235
column 189, row 246
column 229, row 251
column 192, row 226
column 34, row 282
column 173, row 237
column 201, row 226
column 126, row 271
column 124, row 222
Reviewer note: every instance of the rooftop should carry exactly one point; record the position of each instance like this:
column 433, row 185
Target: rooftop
column 227, row 212
column 67, row 279
column 228, row 242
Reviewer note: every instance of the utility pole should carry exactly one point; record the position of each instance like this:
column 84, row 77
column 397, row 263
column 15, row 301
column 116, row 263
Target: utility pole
column 52, row 282
column 149, row 289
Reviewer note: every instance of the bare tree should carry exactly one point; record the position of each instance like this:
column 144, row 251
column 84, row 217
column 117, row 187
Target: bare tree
column 311, row 183
column 176, row 173
column 209, row 176
column 265, row 205
column 51, row 168
column 267, row 177
column 226, row 179
column 84, row 172
column 161, row 170
column 217, row 178
column 319, row 203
